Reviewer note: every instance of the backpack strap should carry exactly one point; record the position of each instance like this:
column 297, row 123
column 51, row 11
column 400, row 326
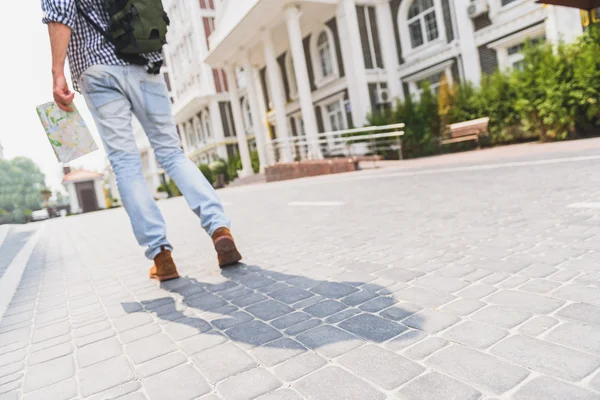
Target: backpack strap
column 92, row 22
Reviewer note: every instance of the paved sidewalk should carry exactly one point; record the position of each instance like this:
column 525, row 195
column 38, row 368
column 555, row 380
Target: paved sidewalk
column 478, row 284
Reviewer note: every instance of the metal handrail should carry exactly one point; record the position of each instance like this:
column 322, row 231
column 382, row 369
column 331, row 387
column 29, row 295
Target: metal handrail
column 338, row 144
column 346, row 131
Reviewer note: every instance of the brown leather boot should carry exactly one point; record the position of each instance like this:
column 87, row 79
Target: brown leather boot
column 164, row 268
column 225, row 245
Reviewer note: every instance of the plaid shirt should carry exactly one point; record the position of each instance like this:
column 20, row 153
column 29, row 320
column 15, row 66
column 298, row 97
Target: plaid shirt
column 87, row 47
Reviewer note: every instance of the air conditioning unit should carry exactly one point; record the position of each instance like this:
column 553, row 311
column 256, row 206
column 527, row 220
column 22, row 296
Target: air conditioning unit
column 477, row 8
column 382, row 96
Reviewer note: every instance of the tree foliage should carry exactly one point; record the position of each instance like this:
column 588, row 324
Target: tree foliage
column 21, row 183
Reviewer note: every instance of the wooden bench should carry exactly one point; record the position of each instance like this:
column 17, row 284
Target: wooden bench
column 467, row 130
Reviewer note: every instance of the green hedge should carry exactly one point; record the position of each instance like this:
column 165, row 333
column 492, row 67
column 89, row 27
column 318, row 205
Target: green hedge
column 556, row 96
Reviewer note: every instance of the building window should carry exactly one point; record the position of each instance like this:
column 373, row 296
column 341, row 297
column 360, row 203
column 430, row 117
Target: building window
column 507, row 2
column 205, row 118
column 324, row 57
column 324, row 51
column 435, row 81
column 247, row 114
column 291, row 72
column 434, row 77
column 422, row 22
column 198, row 129
column 191, row 137
column 300, row 126
column 220, row 80
column 207, row 4
column 510, row 52
column 335, row 116
column 209, row 28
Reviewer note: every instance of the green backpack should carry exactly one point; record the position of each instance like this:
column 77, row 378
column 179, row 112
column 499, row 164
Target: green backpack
column 135, row 26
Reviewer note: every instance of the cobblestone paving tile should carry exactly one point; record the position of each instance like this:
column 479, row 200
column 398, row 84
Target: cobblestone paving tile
column 384, row 368
column 434, row 386
column 553, row 389
column 333, row 383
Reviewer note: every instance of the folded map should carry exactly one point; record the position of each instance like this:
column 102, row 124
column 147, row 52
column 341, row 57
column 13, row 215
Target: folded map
column 67, row 132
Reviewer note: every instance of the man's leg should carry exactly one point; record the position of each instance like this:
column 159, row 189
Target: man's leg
column 111, row 109
column 152, row 107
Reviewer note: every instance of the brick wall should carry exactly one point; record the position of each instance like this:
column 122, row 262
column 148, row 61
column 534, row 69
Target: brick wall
column 282, row 172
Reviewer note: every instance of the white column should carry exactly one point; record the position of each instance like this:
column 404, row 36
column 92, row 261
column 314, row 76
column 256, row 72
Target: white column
column 278, row 97
column 238, row 121
column 73, row 199
column 389, row 51
column 100, row 197
column 466, row 38
column 354, row 62
column 184, row 139
column 259, row 130
column 217, row 125
column 262, row 112
column 292, row 16
column 563, row 24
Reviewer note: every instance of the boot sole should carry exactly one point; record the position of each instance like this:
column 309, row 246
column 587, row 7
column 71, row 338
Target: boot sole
column 163, row 278
column 227, row 251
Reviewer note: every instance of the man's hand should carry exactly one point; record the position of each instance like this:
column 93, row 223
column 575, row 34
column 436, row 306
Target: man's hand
column 62, row 95
column 59, row 40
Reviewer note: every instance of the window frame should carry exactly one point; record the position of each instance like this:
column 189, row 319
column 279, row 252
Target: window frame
column 506, row 61
column 408, row 50
column 247, row 116
column 207, row 125
column 199, row 132
column 421, row 18
column 413, row 82
column 320, row 79
column 331, row 141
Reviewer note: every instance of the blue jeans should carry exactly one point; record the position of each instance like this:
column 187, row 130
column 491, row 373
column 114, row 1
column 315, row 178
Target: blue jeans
column 115, row 93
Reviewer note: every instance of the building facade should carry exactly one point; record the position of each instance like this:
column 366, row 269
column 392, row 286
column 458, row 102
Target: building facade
column 243, row 75
column 314, row 66
column 85, row 189
column 199, row 93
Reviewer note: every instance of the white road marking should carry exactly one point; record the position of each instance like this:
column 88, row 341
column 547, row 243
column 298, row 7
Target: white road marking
column 479, row 167
column 12, row 277
column 584, row 205
column 316, row 203
column 3, row 233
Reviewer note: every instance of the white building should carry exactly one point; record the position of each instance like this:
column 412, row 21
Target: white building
column 201, row 105
column 313, row 66
column 85, row 189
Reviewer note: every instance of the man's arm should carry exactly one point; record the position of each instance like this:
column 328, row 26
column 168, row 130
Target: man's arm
column 60, row 35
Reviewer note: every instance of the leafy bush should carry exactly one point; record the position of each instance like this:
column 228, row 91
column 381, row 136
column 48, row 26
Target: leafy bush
column 555, row 96
column 206, row 171
column 234, row 164
column 218, row 167
column 255, row 160
column 174, row 189
column 21, row 185
column 422, row 124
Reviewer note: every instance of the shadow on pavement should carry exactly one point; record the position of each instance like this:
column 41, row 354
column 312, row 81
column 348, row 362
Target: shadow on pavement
column 254, row 306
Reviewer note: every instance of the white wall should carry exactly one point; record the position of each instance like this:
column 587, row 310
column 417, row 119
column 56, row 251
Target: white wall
column 100, row 198
column 74, row 201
